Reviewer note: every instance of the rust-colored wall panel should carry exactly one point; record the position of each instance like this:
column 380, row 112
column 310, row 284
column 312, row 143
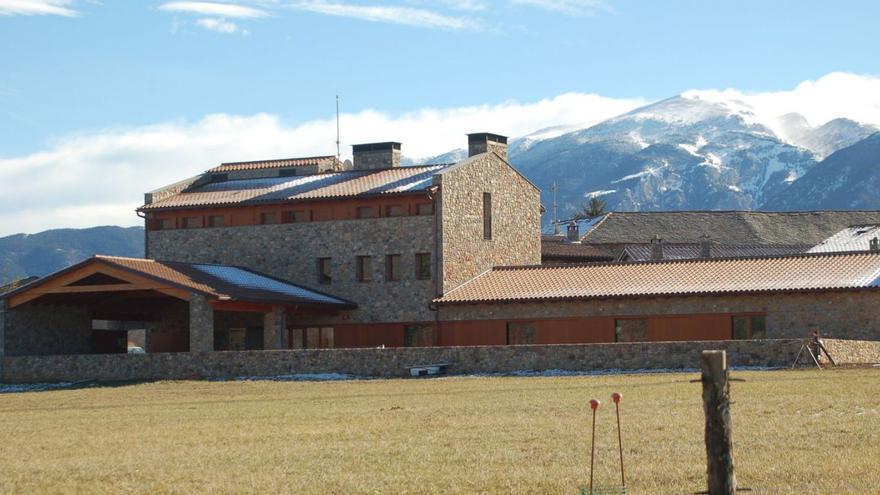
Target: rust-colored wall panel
column 487, row 332
column 575, row 331
column 353, row 336
column 692, row 327
column 169, row 342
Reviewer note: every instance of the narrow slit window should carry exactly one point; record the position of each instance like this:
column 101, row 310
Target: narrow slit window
column 392, row 267
column 324, row 271
column 364, row 268
column 487, row 216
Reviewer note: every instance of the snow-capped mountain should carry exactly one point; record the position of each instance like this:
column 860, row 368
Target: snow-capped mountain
column 825, row 139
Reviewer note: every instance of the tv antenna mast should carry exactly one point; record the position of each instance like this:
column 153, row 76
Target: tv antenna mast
column 337, row 127
column 554, row 188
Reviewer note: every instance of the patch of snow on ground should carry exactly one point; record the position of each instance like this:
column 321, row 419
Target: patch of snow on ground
column 303, row 377
column 690, row 148
column 734, row 188
column 637, row 139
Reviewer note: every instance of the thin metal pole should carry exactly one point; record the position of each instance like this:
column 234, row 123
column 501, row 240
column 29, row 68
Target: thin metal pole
column 594, row 404
column 616, row 397
column 337, row 127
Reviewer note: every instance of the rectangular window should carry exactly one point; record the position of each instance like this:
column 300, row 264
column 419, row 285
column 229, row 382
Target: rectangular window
column 423, row 266
column 631, row 330
column 191, row 222
column 394, row 211
column 295, row 216
column 268, row 218
column 425, row 209
column 364, row 268
column 748, row 327
column 366, row 212
column 311, row 338
column 487, row 216
column 324, row 272
column 165, row 224
column 216, row 221
column 296, row 338
column 392, row 267
column 418, row 336
column 520, row 333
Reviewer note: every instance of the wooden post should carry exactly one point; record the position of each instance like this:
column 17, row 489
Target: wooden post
column 716, row 405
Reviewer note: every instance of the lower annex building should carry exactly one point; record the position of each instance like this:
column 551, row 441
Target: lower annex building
column 318, row 253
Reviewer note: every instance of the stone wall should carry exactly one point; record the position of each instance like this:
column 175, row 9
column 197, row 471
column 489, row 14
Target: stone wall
column 516, row 219
column 43, row 329
column 849, row 315
column 852, row 351
column 290, row 251
column 393, row 362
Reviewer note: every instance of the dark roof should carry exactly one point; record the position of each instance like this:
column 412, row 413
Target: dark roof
column 219, row 282
column 16, row 284
column 280, row 163
column 553, row 247
column 672, row 251
column 725, row 227
column 397, row 180
column 805, row 272
column 855, row 238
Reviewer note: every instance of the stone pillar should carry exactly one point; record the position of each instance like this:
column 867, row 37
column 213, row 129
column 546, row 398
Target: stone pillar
column 275, row 328
column 148, row 336
column 201, row 324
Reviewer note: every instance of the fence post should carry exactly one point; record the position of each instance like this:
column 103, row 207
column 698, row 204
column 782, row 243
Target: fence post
column 716, row 405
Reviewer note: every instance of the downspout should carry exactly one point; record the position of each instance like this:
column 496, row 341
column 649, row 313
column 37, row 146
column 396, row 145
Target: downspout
column 438, row 274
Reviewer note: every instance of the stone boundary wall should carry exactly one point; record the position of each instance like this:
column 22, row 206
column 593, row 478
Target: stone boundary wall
column 852, row 351
column 392, row 362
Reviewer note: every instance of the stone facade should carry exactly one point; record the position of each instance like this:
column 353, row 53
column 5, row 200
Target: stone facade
column 515, row 214
column 201, row 324
column 37, row 329
column 852, row 352
column 850, row 314
column 393, row 362
column 291, row 251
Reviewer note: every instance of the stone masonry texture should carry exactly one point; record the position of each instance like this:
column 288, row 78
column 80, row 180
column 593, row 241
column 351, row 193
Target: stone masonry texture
column 848, row 315
column 515, row 213
column 201, row 324
column 291, row 252
column 43, row 329
column 393, row 362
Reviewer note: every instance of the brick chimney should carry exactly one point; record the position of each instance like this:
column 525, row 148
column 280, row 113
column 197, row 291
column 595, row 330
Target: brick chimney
column 574, row 232
column 375, row 156
column 482, row 142
column 705, row 246
column 874, row 245
column 656, row 248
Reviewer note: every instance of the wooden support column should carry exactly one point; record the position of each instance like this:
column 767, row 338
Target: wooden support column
column 201, row 324
column 274, row 328
column 716, row 405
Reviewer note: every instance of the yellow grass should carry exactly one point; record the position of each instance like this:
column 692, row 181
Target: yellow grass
column 794, row 432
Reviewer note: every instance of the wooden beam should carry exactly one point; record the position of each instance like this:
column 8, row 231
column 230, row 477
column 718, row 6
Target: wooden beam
column 716, row 406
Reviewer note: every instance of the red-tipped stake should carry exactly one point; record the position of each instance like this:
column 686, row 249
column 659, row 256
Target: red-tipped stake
column 594, row 404
column 616, row 397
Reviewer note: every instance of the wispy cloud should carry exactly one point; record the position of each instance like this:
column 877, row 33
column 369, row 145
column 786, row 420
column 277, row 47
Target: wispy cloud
column 392, row 14
column 570, row 7
column 226, row 10
column 218, row 25
column 37, row 7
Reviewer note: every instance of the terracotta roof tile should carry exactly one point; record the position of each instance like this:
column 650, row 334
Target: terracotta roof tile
column 715, row 276
column 317, row 186
column 268, row 164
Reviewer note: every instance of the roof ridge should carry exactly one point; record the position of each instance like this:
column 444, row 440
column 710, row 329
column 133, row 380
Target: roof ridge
column 112, row 257
column 326, row 157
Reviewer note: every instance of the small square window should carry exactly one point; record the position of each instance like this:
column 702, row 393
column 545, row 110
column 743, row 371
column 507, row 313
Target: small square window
column 423, row 266
column 425, row 209
column 394, row 211
column 295, row 216
column 191, row 222
column 324, row 271
column 392, row 267
column 631, row 330
column 366, row 212
column 364, row 268
column 521, row 333
column 268, row 218
column 165, row 224
column 216, row 221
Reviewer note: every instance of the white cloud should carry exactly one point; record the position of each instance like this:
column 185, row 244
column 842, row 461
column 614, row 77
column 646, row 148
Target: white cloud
column 98, row 178
column 407, row 16
column 571, row 7
column 218, row 25
column 834, row 95
column 215, row 9
column 37, row 7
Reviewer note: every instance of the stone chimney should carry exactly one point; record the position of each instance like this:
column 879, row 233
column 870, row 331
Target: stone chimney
column 375, row 156
column 574, row 232
column 874, row 245
column 705, row 246
column 483, row 142
column 656, row 248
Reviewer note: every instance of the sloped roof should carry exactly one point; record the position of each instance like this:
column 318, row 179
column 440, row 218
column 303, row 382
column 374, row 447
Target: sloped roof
column 855, row 238
column 220, row 282
column 558, row 247
column 642, row 252
column 806, row 272
column 725, row 227
column 269, row 164
column 388, row 181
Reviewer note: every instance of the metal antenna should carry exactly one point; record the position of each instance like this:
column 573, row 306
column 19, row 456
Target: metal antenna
column 337, row 127
column 553, row 188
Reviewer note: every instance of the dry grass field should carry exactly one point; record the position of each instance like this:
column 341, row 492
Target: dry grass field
column 794, row 431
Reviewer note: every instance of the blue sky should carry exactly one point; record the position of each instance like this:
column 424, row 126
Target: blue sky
column 77, row 74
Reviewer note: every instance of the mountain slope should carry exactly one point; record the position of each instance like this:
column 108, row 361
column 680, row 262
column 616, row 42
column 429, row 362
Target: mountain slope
column 23, row 255
column 848, row 179
column 823, row 140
